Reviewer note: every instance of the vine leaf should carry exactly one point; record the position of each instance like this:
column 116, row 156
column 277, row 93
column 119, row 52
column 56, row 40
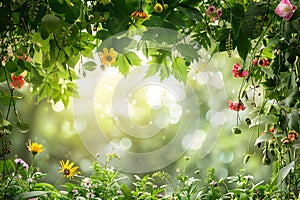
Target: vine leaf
column 244, row 45
column 11, row 66
column 284, row 172
column 187, row 51
column 51, row 23
column 180, row 69
column 90, row 66
column 263, row 138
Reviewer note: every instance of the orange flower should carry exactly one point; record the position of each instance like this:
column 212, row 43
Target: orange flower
column 139, row 14
column 35, row 148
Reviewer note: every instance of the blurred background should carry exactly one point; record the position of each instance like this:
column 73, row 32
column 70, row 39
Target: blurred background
column 66, row 133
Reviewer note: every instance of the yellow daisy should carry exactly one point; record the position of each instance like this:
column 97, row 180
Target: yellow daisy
column 35, row 148
column 108, row 57
column 68, row 170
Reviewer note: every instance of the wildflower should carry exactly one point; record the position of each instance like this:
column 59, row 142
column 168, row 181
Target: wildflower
column 35, row 148
column 108, row 57
column 10, row 51
column 68, row 170
column 166, row 6
column 18, row 81
column 86, row 183
column 74, row 191
column 139, row 14
column 29, row 180
column 4, row 59
column 160, row 195
column 239, row 71
column 213, row 183
column 210, row 10
column 90, row 195
column 292, row 136
column 236, row 106
column 260, row 62
column 213, row 13
column 219, row 13
column 248, row 177
column 285, row 9
column 158, row 8
column 19, row 161
column 263, row 62
column 272, row 129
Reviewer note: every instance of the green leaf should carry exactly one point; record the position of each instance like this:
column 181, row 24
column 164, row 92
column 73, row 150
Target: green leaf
column 292, row 99
column 164, row 72
column 126, row 192
column 152, row 70
column 180, row 69
column 243, row 45
column 191, row 12
column 247, row 26
column 123, row 64
column 120, row 44
column 23, row 127
column 262, row 119
column 263, row 138
column 268, row 71
column 8, row 165
column 27, row 195
column 293, row 120
column 103, row 34
column 133, row 59
column 187, row 51
column 51, row 23
column 11, row 66
column 90, row 66
column 284, row 172
column 257, row 9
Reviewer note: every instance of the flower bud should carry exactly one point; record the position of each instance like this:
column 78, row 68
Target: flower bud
column 246, row 158
column 266, row 160
column 236, row 130
column 248, row 121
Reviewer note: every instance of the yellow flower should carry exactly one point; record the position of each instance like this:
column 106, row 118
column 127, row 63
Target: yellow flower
column 35, row 148
column 68, row 170
column 158, row 8
column 108, row 58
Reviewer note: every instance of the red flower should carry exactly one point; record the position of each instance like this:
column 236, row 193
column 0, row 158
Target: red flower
column 236, row 106
column 239, row 71
column 18, row 81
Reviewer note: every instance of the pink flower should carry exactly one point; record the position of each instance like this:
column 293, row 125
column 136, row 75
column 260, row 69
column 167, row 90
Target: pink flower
column 210, row 10
column 236, row 106
column 219, row 13
column 285, row 9
column 238, row 71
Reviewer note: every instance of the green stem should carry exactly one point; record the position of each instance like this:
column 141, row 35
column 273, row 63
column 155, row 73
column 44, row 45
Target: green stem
column 57, row 182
